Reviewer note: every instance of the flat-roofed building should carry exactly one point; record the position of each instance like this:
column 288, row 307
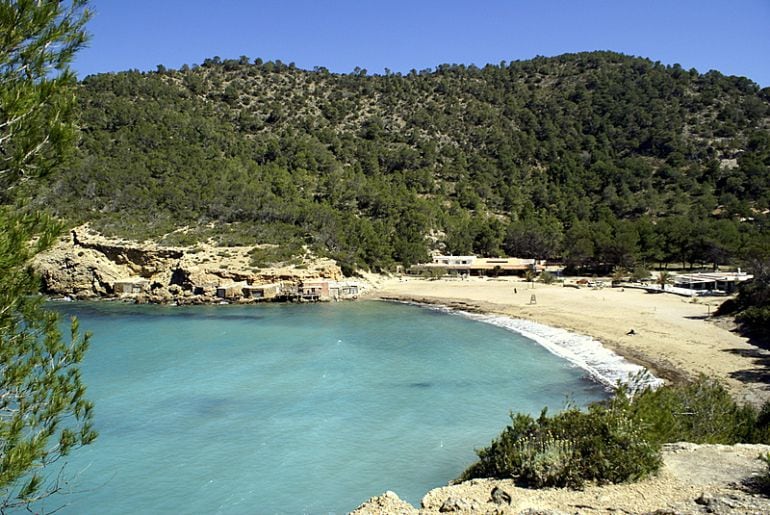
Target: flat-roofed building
column 231, row 291
column 314, row 290
column 711, row 282
column 344, row 290
column 473, row 265
column 453, row 260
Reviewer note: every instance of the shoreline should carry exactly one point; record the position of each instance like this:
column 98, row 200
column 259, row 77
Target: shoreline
column 674, row 337
column 661, row 369
column 602, row 365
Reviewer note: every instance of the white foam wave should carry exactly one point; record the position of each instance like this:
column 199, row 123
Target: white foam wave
column 601, row 363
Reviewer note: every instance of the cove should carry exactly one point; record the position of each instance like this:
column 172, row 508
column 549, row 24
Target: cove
column 295, row 408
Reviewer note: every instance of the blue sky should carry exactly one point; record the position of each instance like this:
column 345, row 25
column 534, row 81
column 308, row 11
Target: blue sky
column 730, row 36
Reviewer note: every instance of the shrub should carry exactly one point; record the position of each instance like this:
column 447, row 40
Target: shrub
column 619, row 275
column 700, row 412
column 266, row 255
column 640, row 274
column 756, row 319
column 433, row 273
column 619, row 439
column 570, row 448
column 546, row 461
column 547, row 277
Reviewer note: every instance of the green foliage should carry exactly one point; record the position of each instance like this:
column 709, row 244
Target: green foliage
column 640, row 273
column 601, row 159
column 537, row 238
column 38, row 42
column 664, row 278
column 43, row 410
column 568, row 449
column 434, row 272
column 547, row 277
column 756, row 319
column 700, row 412
column 265, row 256
column 619, row 275
column 751, row 306
column 620, row 439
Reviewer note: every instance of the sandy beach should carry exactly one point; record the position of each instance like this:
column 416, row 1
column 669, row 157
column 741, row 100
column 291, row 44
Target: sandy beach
column 674, row 337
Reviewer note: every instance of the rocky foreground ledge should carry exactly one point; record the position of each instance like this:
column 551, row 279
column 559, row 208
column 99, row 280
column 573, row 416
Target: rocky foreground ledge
column 721, row 479
column 86, row 265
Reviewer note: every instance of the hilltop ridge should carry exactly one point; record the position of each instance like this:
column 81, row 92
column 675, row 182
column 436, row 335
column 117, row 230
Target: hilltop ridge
column 598, row 158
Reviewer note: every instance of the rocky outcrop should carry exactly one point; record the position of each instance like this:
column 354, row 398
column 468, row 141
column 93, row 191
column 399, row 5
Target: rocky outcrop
column 389, row 503
column 719, row 479
column 86, row 265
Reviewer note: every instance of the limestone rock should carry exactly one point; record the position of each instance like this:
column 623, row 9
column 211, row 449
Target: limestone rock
column 721, row 479
column 500, row 496
column 85, row 264
column 388, row 503
column 84, row 273
column 459, row 505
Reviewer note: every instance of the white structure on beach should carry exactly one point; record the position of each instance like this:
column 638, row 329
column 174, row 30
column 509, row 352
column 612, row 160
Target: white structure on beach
column 712, row 283
column 453, row 260
column 473, row 265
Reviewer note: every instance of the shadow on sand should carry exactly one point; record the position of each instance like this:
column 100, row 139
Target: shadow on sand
column 760, row 373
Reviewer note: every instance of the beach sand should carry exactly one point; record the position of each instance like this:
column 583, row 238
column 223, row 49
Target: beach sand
column 674, row 337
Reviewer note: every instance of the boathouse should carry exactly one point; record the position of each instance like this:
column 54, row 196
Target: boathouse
column 231, row 291
column 314, row 290
column 130, row 286
column 343, row 290
column 261, row 291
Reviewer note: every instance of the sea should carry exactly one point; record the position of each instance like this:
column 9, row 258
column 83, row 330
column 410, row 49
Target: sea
column 304, row 409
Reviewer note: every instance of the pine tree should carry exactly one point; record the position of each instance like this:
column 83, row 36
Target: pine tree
column 43, row 410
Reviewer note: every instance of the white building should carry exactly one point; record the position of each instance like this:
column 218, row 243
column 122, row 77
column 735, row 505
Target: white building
column 711, row 283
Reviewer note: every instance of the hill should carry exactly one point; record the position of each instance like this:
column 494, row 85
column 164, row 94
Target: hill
column 598, row 158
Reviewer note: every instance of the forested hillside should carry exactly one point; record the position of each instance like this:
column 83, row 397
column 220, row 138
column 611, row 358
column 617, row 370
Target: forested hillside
column 598, row 158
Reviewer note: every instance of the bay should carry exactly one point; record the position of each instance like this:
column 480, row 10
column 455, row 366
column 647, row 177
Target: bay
column 295, row 408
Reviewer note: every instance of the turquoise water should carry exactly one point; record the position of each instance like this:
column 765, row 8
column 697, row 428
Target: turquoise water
column 295, row 408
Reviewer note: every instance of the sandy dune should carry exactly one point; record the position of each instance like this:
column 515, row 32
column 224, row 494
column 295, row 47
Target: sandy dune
column 674, row 337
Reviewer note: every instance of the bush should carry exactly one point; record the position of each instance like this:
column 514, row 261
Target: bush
column 267, row 255
column 756, row 319
column 433, row 273
column 547, row 277
column 751, row 307
column 640, row 274
column 620, row 439
column 603, row 445
column 700, row 412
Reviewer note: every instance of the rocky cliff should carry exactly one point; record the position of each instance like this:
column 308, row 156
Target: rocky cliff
column 86, row 265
